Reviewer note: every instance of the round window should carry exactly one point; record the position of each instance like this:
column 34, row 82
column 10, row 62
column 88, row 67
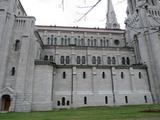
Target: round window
column 116, row 42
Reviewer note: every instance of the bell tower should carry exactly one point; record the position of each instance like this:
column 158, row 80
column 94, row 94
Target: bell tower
column 143, row 33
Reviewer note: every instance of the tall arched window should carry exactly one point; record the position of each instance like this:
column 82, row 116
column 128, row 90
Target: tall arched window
column 109, row 60
column 62, row 60
column 128, row 61
column 123, row 61
column 78, row 60
column 113, row 60
column 98, row 60
column 67, row 60
column 69, row 41
column 83, row 60
column 93, row 60
column 17, row 45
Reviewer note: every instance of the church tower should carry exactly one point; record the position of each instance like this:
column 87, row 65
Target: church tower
column 111, row 22
column 143, row 33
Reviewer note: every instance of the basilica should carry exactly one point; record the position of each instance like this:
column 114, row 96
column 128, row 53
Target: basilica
column 52, row 67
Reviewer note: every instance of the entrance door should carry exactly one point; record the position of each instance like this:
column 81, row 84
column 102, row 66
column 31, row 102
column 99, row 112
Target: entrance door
column 6, row 102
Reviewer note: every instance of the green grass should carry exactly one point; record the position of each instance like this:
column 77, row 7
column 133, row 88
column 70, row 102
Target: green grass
column 89, row 113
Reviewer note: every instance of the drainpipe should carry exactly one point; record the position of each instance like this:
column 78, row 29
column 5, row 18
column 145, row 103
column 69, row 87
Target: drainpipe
column 72, row 88
column 114, row 99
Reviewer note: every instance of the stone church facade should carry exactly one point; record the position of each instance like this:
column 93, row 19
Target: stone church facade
column 47, row 67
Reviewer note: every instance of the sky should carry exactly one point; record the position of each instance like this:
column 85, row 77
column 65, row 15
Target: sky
column 52, row 12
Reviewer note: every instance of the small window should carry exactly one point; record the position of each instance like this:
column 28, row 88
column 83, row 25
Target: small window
column 63, row 101
column 85, row 100
column 58, row 103
column 116, row 42
column 83, row 60
column 13, row 71
column 109, row 60
column 106, row 100
column 113, row 60
column 64, row 75
column 51, row 58
column 17, row 45
column 62, row 60
column 103, row 75
column 84, row 75
column 123, row 61
column 122, row 75
column 67, row 60
column 93, row 60
column 46, row 57
column 140, row 75
column 68, row 103
column 128, row 61
column 78, row 60
column 145, row 99
column 126, row 99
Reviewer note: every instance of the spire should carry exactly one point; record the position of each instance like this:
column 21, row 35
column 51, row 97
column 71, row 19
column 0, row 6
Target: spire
column 111, row 22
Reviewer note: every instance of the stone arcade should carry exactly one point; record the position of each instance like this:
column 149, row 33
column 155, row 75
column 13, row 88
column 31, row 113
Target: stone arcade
column 47, row 67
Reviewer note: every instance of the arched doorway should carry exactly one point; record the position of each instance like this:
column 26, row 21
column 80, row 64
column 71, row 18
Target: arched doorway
column 6, row 102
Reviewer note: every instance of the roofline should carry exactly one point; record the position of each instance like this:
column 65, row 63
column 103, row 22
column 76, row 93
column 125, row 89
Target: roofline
column 76, row 28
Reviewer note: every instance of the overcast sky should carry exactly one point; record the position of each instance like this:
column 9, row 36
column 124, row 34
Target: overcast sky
column 51, row 12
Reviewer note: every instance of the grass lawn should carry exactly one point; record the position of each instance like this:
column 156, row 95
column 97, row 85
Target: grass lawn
column 89, row 113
